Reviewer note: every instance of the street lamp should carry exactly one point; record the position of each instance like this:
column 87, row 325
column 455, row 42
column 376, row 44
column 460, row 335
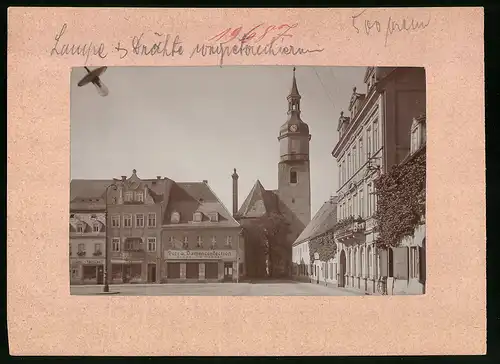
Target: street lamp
column 106, row 246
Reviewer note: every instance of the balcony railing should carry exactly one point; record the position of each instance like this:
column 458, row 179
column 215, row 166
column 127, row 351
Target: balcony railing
column 350, row 230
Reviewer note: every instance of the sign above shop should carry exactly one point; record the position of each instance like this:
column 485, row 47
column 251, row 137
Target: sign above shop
column 93, row 261
column 200, row 254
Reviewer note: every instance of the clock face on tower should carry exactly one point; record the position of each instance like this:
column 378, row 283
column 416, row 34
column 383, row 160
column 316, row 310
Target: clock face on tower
column 293, row 128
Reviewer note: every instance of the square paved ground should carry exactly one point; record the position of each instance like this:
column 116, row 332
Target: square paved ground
column 279, row 288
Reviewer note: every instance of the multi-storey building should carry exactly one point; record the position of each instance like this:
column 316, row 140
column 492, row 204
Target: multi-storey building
column 201, row 240
column 87, row 231
column 372, row 138
column 134, row 212
column 407, row 275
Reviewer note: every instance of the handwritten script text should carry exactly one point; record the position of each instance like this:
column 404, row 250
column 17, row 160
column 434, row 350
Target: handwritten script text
column 364, row 23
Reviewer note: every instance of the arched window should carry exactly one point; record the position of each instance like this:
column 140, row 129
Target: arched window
column 293, row 176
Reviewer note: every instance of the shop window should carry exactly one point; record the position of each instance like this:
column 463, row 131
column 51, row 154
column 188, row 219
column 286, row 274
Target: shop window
column 89, row 272
column 173, row 270
column 211, row 270
column 192, row 270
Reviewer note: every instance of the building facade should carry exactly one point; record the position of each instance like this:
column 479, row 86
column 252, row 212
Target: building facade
column 158, row 231
column 373, row 137
column 87, row 233
column 292, row 198
column 309, row 265
column 201, row 240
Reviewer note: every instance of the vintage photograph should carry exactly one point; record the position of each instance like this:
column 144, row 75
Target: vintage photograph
column 247, row 181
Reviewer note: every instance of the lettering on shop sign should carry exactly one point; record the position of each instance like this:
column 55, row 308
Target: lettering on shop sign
column 200, row 254
column 93, row 261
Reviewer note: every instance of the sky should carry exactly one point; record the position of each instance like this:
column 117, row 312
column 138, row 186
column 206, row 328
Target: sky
column 198, row 123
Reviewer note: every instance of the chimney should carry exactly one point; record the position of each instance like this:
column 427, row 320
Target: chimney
column 124, row 178
column 235, row 192
column 205, row 181
column 158, row 177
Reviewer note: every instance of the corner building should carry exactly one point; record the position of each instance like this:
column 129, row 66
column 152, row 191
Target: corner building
column 373, row 136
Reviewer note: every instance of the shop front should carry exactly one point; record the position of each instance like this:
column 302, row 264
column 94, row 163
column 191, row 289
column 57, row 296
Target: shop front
column 200, row 266
column 126, row 271
column 87, row 271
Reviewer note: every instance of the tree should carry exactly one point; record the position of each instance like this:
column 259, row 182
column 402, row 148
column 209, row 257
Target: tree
column 269, row 235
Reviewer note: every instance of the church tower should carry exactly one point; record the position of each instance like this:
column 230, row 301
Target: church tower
column 294, row 177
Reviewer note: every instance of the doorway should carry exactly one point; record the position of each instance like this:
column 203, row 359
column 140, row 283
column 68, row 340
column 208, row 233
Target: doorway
column 127, row 273
column 342, row 269
column 228, row 271
column 100, row 274
column 151, row 273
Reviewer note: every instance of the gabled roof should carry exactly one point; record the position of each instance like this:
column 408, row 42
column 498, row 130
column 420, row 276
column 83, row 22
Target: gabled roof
column 324, row 220
column 186, row 198
column 88, row 188
column 258, row 202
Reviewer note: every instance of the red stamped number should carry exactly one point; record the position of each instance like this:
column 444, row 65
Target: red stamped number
column 255, row 34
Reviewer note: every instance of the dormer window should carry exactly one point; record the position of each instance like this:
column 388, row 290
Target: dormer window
column 197, row 216
column 95, row 228
column 139, row 197
column 80, row 228
column 175, row 218
column 214, row 217
column 93, row 216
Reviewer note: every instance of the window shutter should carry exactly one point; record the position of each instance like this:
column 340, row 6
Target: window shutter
column 400, row 263
column 383, row 262
column 421, row 258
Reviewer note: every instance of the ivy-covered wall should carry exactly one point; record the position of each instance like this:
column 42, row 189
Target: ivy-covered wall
column 324, row 245
column 401, row 200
